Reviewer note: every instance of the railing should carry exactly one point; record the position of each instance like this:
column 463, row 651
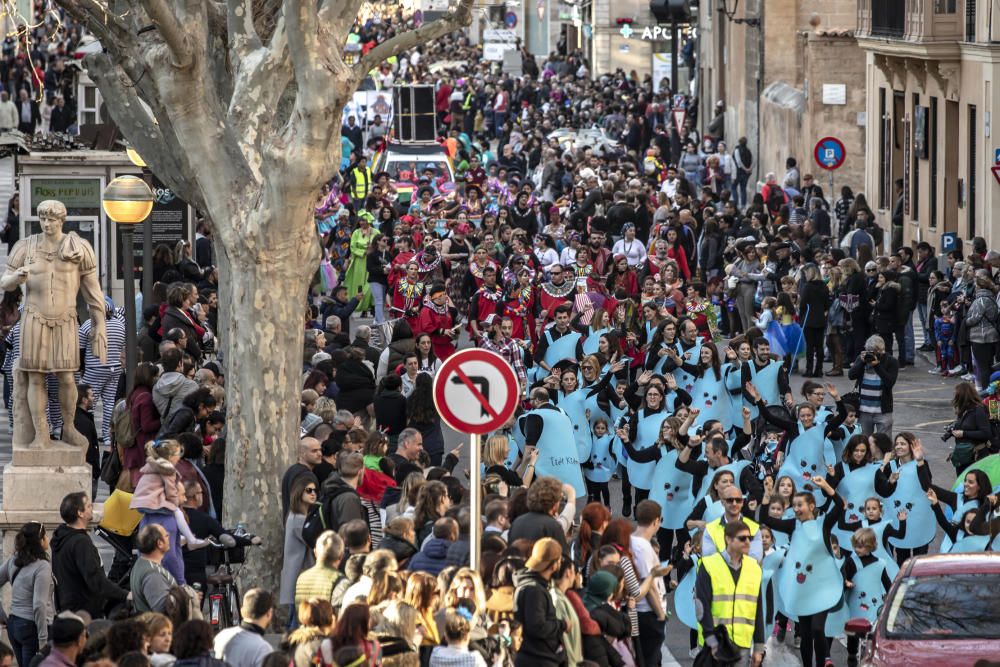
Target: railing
column 888, row 18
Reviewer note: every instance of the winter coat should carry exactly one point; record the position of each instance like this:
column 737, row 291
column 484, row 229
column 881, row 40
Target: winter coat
column 157, row 488
column 816, row 298
column 908, row 288
column 402, row 549
column 390, row 412
column 343, row 502
column 169, row 393
column 432, row 558
column 357, row 385
column 535, row 611
column 983, row 317
column 79, row 574
column 392, row 356
column 181, row 421
column 145, row 425
column 887, row 309
column 174, row 318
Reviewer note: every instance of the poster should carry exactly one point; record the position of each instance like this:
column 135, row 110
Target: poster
column 661, row 70
column 171, row 222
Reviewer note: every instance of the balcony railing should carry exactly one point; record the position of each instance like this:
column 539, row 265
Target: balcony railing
column 888, row 18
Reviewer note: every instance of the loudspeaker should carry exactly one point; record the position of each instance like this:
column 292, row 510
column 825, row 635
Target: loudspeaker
column 414, row 118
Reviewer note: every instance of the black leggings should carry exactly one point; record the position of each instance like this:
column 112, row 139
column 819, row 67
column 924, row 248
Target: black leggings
column 814, row 642
column 903, row 554
column 666, row 538
column 814, row 348
column 598, row 492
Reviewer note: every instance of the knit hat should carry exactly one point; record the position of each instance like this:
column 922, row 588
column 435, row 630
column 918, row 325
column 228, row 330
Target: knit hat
column 600, row 586
column 545, row 552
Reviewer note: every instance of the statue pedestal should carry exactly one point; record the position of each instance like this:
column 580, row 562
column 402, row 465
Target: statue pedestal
column 34, row 484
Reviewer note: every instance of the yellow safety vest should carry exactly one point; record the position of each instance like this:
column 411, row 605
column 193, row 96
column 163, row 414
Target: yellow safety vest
column 717, row 531
column 362, row 182
column 734, row 603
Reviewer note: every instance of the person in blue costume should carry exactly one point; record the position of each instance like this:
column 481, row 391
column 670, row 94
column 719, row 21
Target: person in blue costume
column 644, row 428
column 597, row 469
column 653, row 325
column 867, row 579
column 687, row 350
column 664, row 338
column 884, row 530
column 769, row 376
column 559, row 341
column 836, row 443
column 804, row 456
column 547, row 428
column 672, row 488
column 975, row 488
column 571, row 399
column 738, row 353
column 857, row 477
column 709, row 507
column 909, row 478
column 809, row 580
column 600, row 324
column 717, row 457
column 959, row 537
column 983, row 524
column 708, row 393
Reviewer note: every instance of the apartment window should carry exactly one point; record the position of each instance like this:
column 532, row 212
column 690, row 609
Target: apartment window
column 933, row 156
column 90, row 104
column 944, row 6
column 970, row 20
column 885, row 142
column 972, row 170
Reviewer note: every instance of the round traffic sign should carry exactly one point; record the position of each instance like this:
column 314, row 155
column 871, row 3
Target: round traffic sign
column 510, row 20
column 475, row 391
column 830, row 153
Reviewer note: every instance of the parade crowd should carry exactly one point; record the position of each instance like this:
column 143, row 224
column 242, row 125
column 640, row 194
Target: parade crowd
column 666, row 315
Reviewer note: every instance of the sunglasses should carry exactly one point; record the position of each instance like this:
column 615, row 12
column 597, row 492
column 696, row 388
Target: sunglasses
column 311, row 490
column 733, row 501
column 743, row 538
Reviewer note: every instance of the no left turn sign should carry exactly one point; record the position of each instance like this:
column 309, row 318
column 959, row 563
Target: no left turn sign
column 475, row 391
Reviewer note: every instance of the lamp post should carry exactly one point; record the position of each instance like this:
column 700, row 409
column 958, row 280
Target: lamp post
column 147, row 231
column 128, row 201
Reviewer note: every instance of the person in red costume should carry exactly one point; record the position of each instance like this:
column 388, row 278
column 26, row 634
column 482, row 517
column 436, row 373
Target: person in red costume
column 557, row 291
column 437, row 318
column 408, row 295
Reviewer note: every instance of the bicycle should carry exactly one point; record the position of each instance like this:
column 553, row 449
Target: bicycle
column 223, row 595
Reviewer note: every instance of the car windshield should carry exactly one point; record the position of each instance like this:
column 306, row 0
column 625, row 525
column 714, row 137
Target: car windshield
column 412, row 170
column 945, row 607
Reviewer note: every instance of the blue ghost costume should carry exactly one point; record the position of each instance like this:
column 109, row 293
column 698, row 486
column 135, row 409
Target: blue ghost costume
column 555, row 459
column 603, row 462
column 855, row 487
column 910, row 495
column 865, row 599
column 766, row 381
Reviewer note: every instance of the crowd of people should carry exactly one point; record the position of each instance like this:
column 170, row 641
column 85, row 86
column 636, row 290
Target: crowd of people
column 656, row 308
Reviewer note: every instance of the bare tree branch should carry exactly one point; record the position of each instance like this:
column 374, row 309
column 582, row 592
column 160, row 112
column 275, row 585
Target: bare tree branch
column 339, row 16
column 99, row 20
column 461, row 17
column 301, row 25
column 243, row 37
column 171, row 30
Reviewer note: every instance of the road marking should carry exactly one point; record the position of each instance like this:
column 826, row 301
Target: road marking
column 667, row 658
column 934, row 423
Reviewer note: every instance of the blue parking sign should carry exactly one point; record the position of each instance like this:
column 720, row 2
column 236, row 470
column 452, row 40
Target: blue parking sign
column 829, row 153
column 949, row 241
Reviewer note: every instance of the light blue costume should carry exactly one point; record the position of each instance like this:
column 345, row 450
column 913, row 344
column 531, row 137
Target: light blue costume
column 593, row 340
column 809, row 580
column 921, row 524
column 734, row 391
column 866, row 597
column 769, row 567
column 684, row 379
column 602, row 459
column 709, row 395
column 766, row 381
column 855, row 488
column 672, row 489
column 573, row 404
column 735, row 467
column 835, row 446
column 555, row 459
column 879, row 529
column 562, row 348
column 804, row 460
column 640, row 475
column 684, row 596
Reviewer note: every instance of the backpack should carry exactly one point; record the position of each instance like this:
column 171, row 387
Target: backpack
column 316, row 523
column 121, row 425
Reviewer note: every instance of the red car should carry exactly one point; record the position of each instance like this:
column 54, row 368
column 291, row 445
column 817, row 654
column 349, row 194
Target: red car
column 941, row 610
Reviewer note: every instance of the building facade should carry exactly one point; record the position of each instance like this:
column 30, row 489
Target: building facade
column 931, row 65
column 789, row 73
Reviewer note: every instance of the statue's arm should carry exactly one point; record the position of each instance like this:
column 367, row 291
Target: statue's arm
column 15, row 274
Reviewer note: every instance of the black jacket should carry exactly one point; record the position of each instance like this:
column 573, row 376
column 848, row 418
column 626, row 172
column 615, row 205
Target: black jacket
column 357, row 385
column 174, row 319
column 534, row 610
column 816, row 297
column 887, row 309
column 390, row 412
column 84, row 423
column 341, row 503
column 534, row 526
column 887, row 369
column 80, row 579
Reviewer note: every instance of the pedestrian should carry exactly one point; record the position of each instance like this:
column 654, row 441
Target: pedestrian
column 875, row 371
column 534, row 610
column 29, row 574
column 244, row 645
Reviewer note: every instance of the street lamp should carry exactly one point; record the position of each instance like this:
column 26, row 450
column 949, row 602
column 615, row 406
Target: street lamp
column 128, row 201
column 147, row 230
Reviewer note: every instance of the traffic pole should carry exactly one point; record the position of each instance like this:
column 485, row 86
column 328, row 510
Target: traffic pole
column 475, row 501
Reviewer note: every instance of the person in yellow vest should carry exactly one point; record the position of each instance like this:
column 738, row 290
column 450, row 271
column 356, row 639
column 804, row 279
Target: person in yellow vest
column 732, row 505
column 360, row 182
column 727, row 593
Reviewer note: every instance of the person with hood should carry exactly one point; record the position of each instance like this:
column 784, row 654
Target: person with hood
column 542, row 644
column 433, row 555
column 981, row 322
column 339, row 496
column 80, row 580
column 172, row 387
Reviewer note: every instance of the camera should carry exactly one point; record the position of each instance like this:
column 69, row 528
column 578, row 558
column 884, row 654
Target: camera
column 948, row 432
column 869, row 357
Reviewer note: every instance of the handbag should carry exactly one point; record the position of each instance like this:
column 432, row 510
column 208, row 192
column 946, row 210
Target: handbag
column 727, row 653
column 112, row 467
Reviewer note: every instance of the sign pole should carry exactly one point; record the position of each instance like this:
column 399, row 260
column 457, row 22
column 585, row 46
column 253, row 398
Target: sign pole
column 475, row 501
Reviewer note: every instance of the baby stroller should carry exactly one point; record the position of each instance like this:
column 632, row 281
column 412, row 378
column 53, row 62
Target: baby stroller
column 118, row 527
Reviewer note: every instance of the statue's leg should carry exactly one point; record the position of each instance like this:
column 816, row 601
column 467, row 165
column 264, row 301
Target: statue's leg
column 38, row 401
column 23, row 429
column 67, row 405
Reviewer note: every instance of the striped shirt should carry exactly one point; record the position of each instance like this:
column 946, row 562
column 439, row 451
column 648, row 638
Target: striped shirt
column 13, row 341
column 871, row 392
column 116, row 341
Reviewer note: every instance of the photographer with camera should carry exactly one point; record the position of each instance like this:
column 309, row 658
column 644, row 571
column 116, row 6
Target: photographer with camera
column 971, row 428
column 875, row 373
